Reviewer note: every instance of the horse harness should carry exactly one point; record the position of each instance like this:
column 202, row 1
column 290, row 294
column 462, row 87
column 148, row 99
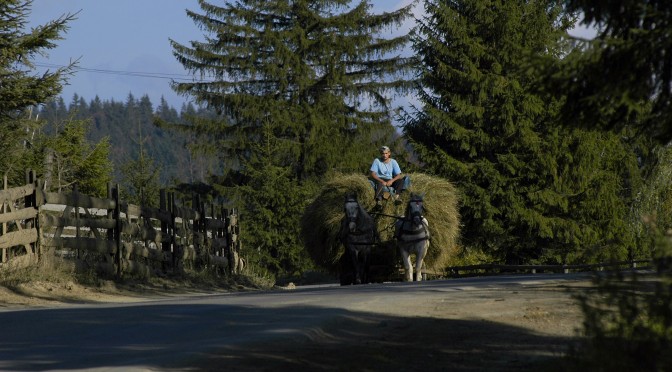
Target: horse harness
column 361, row 233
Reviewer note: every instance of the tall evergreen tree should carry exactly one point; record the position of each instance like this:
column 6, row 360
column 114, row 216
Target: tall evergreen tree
column 622, row 78
column 316, row 76
column 20, row 87
column 530, row 192
column 269, row 209
column 140, row 178
column 66, row 157
column 317, row 71
column 139, row 174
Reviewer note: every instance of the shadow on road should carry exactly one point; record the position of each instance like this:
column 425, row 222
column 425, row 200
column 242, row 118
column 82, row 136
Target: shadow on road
column 167, row 336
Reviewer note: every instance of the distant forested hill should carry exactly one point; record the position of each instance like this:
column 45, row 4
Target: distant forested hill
column 129, row 126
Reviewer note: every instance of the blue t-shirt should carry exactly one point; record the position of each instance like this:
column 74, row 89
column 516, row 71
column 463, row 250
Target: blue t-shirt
column 385, row 171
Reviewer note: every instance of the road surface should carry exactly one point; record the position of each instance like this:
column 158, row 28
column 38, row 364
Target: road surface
column 490, row 323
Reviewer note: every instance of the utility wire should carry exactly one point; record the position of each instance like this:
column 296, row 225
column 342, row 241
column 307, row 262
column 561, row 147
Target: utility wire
column 143, row 74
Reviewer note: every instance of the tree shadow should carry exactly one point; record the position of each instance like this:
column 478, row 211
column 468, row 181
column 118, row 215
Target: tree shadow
column 201, row 336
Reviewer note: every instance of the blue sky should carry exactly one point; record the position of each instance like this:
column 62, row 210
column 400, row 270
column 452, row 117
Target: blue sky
column 123, row 47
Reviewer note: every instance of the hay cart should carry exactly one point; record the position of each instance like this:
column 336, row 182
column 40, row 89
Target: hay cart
column 384, row 260
column 322, row 217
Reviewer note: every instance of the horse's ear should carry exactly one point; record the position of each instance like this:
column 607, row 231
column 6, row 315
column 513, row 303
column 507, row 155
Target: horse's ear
column 416, row 196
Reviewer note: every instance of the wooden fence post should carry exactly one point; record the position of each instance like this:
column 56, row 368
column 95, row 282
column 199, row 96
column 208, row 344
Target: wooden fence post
column 5, row 255
column 165, row 245
column 196, row 231
column 236, row 242
column 117, row 232
column 29, row 202
column 110, row 212
column 232, row 240
column 221, row 233
column 111, row 233
column 227, row 234
column 171, row 228
column 75, row 207
column 39, row 201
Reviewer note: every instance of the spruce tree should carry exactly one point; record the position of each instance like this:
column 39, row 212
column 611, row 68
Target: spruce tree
column 20, row 87
column 317, row 71
column 531, row 192
column 268, row 210
column 140, row 175
column 66, row 157
column 316, row 77
column 622, row 78
column 140, row 180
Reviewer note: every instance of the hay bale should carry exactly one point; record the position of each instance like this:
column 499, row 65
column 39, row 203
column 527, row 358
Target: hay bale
column 321, row 219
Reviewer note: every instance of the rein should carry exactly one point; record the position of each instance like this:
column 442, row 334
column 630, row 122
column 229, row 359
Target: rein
column 387, row 215
column 414, row 240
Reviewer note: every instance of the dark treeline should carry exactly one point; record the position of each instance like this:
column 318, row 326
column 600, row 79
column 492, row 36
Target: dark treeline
column 129, row 127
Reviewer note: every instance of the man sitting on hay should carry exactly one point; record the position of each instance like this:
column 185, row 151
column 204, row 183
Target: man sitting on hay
column 386, row 177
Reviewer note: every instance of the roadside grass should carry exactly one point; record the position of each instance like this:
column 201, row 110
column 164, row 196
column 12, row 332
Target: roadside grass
column 50, row 269
column 62, row 271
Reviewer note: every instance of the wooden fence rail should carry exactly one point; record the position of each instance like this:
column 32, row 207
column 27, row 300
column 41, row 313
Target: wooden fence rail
column 114, row 236
column 491, row 269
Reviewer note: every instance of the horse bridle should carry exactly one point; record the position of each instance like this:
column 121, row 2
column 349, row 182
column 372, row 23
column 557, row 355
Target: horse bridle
column 354, row 219
column 351, row 201
column 420, row 208
column 411, row 217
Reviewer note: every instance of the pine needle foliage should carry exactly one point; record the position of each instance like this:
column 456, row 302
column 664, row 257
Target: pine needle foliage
column 315, row 79
column 271, row 214
column 627, row 324
column 141, row 178
column 531, row 191
column 66, row 158
column 20, row 88
column 623, row 77
column 315, row 70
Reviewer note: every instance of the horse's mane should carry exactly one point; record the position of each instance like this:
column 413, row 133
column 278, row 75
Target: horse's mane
column 367, row 219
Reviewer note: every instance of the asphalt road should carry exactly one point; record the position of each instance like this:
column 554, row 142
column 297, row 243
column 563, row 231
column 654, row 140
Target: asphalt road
column 167, row 334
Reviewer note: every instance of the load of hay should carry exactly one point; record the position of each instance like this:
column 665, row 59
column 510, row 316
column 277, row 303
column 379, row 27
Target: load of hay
column 321, row 219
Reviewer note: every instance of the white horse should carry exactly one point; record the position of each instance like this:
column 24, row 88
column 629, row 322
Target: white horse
column 412, row 233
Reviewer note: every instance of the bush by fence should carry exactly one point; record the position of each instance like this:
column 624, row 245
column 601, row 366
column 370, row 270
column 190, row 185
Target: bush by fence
column 114, row 236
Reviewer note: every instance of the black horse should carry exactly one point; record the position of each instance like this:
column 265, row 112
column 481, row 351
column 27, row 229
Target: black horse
column 358, row 235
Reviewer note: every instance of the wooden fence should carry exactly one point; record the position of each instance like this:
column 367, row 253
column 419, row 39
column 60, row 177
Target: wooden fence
column 114, row 236
column 495, row 269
